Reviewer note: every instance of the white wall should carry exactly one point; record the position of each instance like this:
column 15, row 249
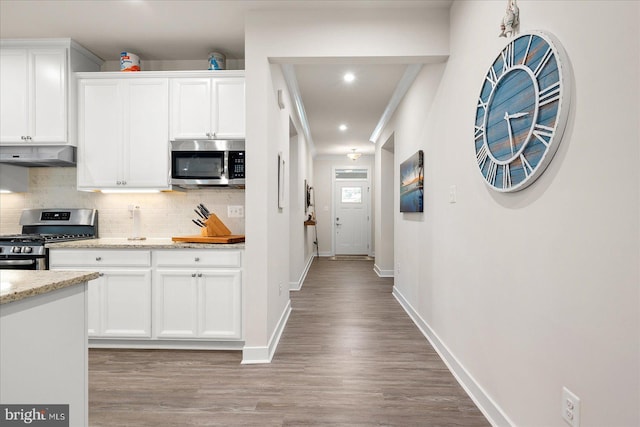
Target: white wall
column 384, row 207
column 526, row 293
column 301, row 237
column 281, row 36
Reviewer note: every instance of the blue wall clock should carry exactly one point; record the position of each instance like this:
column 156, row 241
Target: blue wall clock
column 522, row 111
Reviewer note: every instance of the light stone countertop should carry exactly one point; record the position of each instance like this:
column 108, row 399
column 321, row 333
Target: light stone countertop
column 16, row 285
column 151, row 243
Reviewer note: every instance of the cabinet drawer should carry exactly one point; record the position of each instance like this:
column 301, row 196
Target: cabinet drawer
column 198, row 258
column 99, row 258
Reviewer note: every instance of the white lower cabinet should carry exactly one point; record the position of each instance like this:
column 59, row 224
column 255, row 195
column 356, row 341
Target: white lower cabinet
column 197, row 294
column 124, row 304
column 119, row 301
column 197, row 304
column 172, row 295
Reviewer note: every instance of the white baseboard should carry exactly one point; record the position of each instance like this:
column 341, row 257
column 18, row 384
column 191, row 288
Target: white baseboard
column 382, row 273
column 485, row 403
column 256, row 355
column 296, row 286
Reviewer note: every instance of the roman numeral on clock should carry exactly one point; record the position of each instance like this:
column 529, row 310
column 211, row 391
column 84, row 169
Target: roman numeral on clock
column 541, row 132
column 506, row 176
column 479, row 132
column 549, row 94
column 525, row 165
column 492, row 77
column 492, row 172
column 482, row 104
column 507, row 58
column 543, row 62
column 481, row 155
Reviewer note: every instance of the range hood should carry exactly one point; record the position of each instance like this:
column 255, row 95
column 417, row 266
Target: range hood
column 38, row 156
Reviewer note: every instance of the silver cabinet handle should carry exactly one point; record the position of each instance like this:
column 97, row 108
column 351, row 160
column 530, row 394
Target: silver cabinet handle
column 199, row 274
column 197, row 259
column 118, row 182
column 100, row 274
column 98, row 258
column 193, row 274
column 124, row 182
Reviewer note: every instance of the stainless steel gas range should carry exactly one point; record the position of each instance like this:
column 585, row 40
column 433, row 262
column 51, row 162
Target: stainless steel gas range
column 27, row 251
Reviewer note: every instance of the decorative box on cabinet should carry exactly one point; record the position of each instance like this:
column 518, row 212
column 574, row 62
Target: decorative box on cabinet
column 119, row 301
column 123, row 125
column 37, row 90
column 205, row 107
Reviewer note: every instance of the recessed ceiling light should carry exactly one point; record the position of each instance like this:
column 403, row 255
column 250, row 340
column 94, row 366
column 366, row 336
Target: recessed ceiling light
column 349, row 77
column 342, row 127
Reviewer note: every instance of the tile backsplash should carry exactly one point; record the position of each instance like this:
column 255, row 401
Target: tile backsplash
column 163, row 214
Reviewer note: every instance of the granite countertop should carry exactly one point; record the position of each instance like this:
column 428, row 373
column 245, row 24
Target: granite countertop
column 16, row 285
column 151, row 243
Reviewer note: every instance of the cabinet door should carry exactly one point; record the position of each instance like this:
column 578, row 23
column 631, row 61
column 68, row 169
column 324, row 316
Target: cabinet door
column 48, row 96
column 175, row 304
column 100, row 133
column 14, row 107
column 146, row 148
column 190, row 108
column 126, row 303
column 219, row 304
column 94, row 288
column 229, row 108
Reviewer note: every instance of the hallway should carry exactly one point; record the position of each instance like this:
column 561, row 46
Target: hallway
column 349, row 355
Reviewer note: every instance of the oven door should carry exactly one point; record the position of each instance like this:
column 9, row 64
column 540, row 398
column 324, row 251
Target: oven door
column 23, row 264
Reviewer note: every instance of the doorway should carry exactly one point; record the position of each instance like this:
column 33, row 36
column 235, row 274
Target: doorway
column 351, row 211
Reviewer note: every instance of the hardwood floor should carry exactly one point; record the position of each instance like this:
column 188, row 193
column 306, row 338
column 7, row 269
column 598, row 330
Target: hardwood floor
column 349, row 356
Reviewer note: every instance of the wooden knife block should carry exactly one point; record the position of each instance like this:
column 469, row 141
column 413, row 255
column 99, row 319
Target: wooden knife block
column 214, row 227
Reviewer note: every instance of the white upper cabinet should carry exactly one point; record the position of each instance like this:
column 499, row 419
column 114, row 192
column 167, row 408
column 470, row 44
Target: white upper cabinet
column 123, row 132
column 36, row 98
column 207, row 108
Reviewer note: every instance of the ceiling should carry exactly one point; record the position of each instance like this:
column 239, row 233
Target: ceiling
column 190, row 29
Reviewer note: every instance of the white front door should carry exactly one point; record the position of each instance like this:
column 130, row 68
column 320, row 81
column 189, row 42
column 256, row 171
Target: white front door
column 351, row 217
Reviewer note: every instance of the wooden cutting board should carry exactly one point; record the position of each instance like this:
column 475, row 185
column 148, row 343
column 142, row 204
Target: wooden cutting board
column 232, row 238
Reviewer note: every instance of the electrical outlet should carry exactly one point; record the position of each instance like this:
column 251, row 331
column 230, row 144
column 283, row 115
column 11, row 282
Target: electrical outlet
column 570, row 408
column 235, row 211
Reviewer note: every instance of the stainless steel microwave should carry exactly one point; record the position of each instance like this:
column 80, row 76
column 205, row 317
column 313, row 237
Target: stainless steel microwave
column 207, row 162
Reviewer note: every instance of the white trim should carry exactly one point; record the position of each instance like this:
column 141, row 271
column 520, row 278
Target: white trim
column 400, row 91
column 289, row 74
column 382, row 273
column 256, row 355
column 173, row 344
column 326, row 254
column 480, row 397
column 296, row 286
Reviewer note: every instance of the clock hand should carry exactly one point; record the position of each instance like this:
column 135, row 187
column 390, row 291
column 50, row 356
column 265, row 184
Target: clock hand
column 517, row 115
column 507, row 117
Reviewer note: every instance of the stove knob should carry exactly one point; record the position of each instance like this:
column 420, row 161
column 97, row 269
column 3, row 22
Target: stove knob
column 16, row 249
column 27, row 249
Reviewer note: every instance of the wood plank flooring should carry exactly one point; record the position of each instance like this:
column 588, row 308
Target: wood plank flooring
column 349, row 356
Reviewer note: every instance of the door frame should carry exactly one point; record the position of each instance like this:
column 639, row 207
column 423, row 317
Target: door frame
column 334, row 204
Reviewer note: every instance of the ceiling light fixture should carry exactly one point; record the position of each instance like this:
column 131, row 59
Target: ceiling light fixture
column 353, row 155
column 349, row 77
column 343, row 127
